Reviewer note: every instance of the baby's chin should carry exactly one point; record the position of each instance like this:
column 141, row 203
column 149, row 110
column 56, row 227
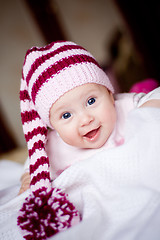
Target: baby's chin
column 85, row 144
column 94, row 145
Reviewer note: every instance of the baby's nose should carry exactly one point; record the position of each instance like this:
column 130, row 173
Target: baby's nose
column 86, row 119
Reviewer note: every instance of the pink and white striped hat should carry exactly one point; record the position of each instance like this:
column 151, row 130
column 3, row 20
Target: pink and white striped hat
column 48, row 73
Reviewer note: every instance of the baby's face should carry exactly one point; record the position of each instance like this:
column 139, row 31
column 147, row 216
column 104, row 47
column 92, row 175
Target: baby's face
column 85, row 116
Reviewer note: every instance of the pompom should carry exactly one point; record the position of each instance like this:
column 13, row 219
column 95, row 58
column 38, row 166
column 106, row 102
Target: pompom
column 44, row 214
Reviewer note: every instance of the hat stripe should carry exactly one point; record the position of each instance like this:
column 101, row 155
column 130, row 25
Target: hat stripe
column 36, row 131
column 39, row 49
column 37, row 145
column 40, row 185
column 42, row 175
column 58, row 66
column 47, row 47
column 49, row 55
column 48, row 63
column 42, row 168
column 40, row 161
column 24, row 95
column 28, row 116
column 28, row 127
column 35, row 52
column 37, row 155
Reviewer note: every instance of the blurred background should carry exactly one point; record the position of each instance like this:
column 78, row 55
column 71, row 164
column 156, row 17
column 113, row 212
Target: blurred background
column 122, row 35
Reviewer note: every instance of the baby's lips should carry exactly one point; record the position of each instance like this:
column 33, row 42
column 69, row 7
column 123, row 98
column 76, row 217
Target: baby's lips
column 92, row 133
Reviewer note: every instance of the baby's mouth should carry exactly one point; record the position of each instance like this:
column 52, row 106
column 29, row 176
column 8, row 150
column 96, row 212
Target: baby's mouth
column 92, row 134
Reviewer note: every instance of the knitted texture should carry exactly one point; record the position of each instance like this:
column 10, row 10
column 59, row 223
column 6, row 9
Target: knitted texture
column 49, row 213
column 51, row 71
column 48, row 73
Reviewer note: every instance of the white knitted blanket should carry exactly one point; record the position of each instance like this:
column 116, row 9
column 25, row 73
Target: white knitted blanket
column 117, row 191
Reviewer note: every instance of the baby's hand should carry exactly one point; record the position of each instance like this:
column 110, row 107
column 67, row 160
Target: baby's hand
column 25, row 182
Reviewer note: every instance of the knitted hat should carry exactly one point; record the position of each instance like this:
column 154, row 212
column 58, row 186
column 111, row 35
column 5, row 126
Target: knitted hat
column 48, row 73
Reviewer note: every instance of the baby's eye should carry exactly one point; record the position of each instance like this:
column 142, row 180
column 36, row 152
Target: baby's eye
column 66, row 115
column 91, row 101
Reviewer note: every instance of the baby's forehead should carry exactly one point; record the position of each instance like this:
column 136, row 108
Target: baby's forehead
column 84, row 89
column 77, row 93
column 81, row 91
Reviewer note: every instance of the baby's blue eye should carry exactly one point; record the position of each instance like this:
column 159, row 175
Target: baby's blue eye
column 91, row 101
column 66, row 115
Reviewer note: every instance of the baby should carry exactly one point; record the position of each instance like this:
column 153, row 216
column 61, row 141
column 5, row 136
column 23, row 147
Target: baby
column 64, row 88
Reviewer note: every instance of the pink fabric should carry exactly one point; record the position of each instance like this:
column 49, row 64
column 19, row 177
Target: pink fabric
column 144, row 86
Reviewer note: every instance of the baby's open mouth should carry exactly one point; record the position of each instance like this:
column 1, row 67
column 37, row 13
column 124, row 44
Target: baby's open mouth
column 92, row 134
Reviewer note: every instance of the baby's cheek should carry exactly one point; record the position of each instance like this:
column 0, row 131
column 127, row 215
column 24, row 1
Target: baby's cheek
column 68, row 136
column 110, row 119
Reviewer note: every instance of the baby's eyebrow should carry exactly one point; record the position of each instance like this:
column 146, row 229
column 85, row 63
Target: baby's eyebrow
column 61, row 109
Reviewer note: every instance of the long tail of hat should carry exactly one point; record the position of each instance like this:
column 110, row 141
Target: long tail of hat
column 47, row 210
column 35, row 132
